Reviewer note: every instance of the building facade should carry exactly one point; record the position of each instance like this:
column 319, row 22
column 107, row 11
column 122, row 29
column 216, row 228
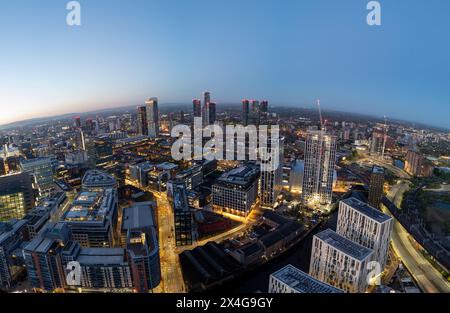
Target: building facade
column 366, row 226
column 16, row 196
column 320, row 160
column 236, row 191
column 376, row 186
column 340, row 262
column 152, row 117
column 271, row 175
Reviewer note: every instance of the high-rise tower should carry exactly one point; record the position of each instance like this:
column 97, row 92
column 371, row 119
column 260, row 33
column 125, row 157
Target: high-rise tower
column 152, row 117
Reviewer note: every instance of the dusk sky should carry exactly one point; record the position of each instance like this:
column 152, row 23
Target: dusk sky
column 289, row 52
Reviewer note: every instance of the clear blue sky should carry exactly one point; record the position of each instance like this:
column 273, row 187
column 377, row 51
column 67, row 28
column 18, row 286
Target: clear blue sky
column 290, row 52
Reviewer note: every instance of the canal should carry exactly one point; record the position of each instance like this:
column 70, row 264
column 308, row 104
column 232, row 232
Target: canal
column 299, row 256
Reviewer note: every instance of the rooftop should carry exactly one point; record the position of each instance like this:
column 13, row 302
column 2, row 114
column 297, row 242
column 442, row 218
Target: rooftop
column 367, row 210
column 8, row 229
column 139, row 215
column 341, row 243
column 104, row 256
column 90, row 206
column 377, row 170
column 302, row 282
column 95, row 178
column 242, row 176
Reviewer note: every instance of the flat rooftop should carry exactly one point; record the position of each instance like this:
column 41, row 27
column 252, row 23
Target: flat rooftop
column 344, row 245
column 9, row 228
column 377, row 170
column 98, row 178
column 102, row 256
column 90, row 206
column 243, row 176
column 367, row 210
column 302, row 282
column 138, row 216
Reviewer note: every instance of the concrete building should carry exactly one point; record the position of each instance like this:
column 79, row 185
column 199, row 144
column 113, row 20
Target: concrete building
column 366, row 226
column 271, row 175
column 100, row 268
column 12, row 235
column 193, row 176
column 236, row 191
column 92, row 217
column 320, row 161
column 185, row 224
column 43, row 261
column 376, row 187
column 142, row 125
column 290, row 279
column 142, row 245
column 340, row 262
column 417, row 165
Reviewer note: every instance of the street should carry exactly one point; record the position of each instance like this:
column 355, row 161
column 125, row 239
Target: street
column 426, row 276
column 171, row 276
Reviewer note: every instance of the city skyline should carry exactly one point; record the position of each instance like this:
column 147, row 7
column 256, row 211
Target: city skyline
column 119, row 56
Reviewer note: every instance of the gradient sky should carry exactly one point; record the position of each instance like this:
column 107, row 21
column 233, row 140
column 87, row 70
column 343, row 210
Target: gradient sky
column 289, row 52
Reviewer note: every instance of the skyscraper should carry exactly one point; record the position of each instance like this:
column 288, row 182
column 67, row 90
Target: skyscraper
column 212, row 112
column 376, row 144
column 264, row 107
column 271, row 175
column 77, row 121
column 245, row 111
column 366, row 226
column 142, row 120
column 197, row 107
column 320, row 158
column 376, row 186
column 152, row 117
column 205, row 109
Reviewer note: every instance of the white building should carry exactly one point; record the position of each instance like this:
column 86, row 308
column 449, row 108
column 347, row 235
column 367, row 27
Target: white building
column 290, row 279
column 320, row 161
column 337, row 261
column 367, row 226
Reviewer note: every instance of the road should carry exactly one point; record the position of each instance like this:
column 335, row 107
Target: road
column 247, row 223
column 171, row 277
column 426, row 276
